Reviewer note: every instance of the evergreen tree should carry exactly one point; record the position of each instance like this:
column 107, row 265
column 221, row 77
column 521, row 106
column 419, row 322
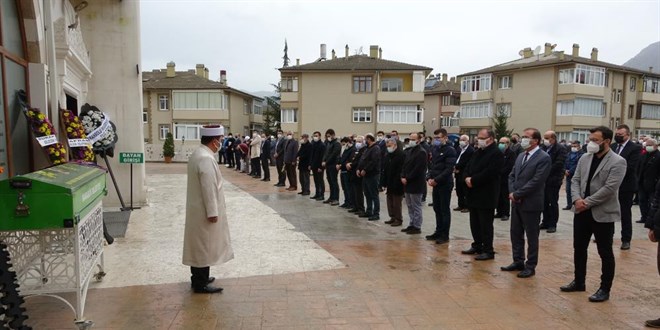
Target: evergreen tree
column 272, row 115
column 500, row 124
column 168, row 146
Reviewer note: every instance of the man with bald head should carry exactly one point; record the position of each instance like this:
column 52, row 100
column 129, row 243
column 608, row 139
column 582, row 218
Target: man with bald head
column 558, row 154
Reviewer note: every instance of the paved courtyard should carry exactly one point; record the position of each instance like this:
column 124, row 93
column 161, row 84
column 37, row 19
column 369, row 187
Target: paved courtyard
column 301, row 264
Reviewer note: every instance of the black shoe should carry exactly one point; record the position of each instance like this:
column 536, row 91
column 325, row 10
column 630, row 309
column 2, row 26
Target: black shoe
column 625, row 246
column 279, row 185
column 600, row 296
column 505, row 217
column 485, row 256
column 442, row 241
column 573, row 287
column 344, row 206
column 551, row 230
column 305, row 194
column 365, row 215
column 457, row 208
column 566, row 208
column 414, row 231
column 314, row 197
column 640, row 221
column 653, row 323
column 374, row 217
column 405, row 230
column 334, row 203
column 300, row 193
column 496, row 216
column 432, row 237
column 431, row 204
column 471, row 250
column 210, row 280
column 512, row 267
column 320, row 198
column 353, row 211
column 396, row 223
column 543, row 226
column 327, row 201
column 208, row 289
column 389, row 222
column 527, row 272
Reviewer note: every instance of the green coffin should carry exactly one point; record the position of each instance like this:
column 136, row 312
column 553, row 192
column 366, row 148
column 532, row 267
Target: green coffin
column 52, row 198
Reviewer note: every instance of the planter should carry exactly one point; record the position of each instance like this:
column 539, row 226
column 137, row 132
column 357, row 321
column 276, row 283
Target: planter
column 168, row 160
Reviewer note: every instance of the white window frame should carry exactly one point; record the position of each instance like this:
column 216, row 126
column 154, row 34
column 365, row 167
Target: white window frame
column 391, row 85
column 289, row 84
column 585, row 107
column 651, row 85
column 362, row 115
column 163, row 129
column 257, row 108
column 145, row 116
column 363, row 84
column 163, row 102
column 476, row 110
column 650, row 111
column 503, row 106
column 581, row 135
column 289, row 116
column 191, row 100
column 476, row 83
column 195, row 127
column 400, row 114
column 633, row 84
column 505, row 82
column 647, row 132
column 448, row 121
column 617, row 96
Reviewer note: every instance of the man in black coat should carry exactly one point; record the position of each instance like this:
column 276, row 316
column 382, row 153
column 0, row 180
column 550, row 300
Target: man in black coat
column 330, row 160
column 316, row 165
column 649, row 176
column 439, row 177
column 349, row 150
column 229, row 144
column 653, row 224
column 304, row 160
column 558, row 154
column 631, row 152
column 464, row 151
column 290, row 159
column 355, row 179
column 279, row 159
column 392, row 182
column 482, row 178
column 504, row 205
column 413, row 176
column 369, row 170
column 265, row 157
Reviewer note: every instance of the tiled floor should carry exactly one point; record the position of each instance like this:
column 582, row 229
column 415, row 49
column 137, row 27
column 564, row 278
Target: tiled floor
column 382, row 279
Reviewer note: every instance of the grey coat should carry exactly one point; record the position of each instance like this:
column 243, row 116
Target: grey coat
column 527, row 181
column 604, row 198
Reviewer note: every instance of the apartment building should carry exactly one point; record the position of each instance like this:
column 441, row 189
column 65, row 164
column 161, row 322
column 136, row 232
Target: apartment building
column 180, row 102
column 442, row 99
column 353, row 94
column 569, row 94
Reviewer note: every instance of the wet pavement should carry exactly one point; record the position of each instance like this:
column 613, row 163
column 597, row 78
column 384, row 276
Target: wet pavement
column 301, row 264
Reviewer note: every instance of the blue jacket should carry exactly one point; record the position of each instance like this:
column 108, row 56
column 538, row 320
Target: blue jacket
column 443, row 159
column 572, row 161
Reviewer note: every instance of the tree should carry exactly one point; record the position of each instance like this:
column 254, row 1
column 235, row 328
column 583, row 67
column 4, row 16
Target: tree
column 272, row 115
column 500, row 124
column 168, row 146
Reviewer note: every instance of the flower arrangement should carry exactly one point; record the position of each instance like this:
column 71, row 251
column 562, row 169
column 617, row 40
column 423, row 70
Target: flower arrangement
column 75, row 130
column 99, row 129
column 45, row 133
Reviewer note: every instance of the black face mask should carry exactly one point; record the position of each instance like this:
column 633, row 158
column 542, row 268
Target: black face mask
column 514, row 140
column 618, row 139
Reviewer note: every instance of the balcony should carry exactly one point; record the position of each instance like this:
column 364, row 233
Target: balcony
column 394, row 97
column 289, row 97
column 474, row 122
column 476, row 96
column 200, row 115
column 648, row 97
column 580, row 121
column 581, row 90
column 256, row 118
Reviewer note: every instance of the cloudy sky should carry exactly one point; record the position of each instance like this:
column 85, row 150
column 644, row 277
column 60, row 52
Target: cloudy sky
column 246, row 37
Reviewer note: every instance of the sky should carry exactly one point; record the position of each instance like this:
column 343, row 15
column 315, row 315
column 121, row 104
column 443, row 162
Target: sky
column 247, row 37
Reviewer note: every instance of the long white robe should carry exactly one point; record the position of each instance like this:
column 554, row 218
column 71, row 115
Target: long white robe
column 205, row 243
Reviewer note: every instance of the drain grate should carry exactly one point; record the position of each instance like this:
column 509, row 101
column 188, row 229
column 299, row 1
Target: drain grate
column 116, row 222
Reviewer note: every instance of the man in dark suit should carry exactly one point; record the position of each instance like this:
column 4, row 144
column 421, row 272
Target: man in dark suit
column 354, row 178
column 318, row 150
column 290, row 159
column 557, row 153
column 440, row 179
column 527, row 183
column 279, row 159
column 464, row 151
column 649, row 176
column 595, row 190
column 393, row 165
column 304, row 158
column 349, row 150
column 653, row 224
column 504, row 205
column 413, row 176
column 330, row 160
column 631, row 152
column 265, row 157
column 482, row 178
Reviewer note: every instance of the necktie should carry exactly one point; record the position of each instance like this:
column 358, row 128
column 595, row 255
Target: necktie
column 525, row 159
column 618, row 150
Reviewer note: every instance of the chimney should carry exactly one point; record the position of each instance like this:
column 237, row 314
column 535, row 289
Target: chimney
column 548, row 49
column 373, row 51
column 346, row 50
column 453, row 79
column 651, row 69
column 594, row 54
column 334, row 56
column 170, row 70
column 561, row 55
column 223, row 77
column 444, row 77
column 380, row 53
column 206, row 73
column 199, row 70
column 297, row 61
column 576, row 50
column 323, row 52
column 527, row 52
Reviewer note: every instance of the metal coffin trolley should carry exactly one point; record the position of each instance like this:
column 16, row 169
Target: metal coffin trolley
column 52, row 223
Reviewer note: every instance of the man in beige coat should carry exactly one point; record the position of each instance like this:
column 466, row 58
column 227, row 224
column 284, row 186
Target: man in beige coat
column 206, row 239
column 255, row 155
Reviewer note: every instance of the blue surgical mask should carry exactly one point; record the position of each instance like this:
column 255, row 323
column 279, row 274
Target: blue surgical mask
column 358, row 145
column 437, row 142
column 502, row 146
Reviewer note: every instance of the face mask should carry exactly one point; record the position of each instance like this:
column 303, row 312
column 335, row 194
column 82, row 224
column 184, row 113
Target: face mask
column 412, row 144
column 358, row 145
column 390, row 149
column 546, row 142
column 514, row 140
column 316, row 138
column 437, row 143
column 279, row 136
column 593, row 147
column 618, row 139
column 254, row 136
column 481, row 143
column 649, row 149
column 289, row 137
column 575, row 149
column 379, row 138
column 348, row 145
column 502, row 146
column 462, row 143
column 525, row 143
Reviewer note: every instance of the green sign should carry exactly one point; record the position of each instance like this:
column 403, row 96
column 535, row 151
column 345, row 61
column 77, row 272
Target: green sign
column 131, row 158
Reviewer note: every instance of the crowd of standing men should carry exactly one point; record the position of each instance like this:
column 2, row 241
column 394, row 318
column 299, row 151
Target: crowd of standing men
column 516, row 178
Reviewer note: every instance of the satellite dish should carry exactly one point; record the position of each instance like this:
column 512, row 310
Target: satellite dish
column 521, row 52
column 537, row 50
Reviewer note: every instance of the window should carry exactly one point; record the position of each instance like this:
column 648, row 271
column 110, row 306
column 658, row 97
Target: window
column 162, row 131
column 506, row 82
column 400, row 114
column 648, row 132
column 289, row 84
column 361, row 115
column 505, row 108
column 633, row 84
column 392, row 85
column 650, row 111
column 476, row 83
column 617, row 95
column 631, row 111
column 449, row 121
column 257, row 108
column 476, row 110
column 581, row 135
column 200, row 100
column 581, row 107
column 362, row 84
column 566, row 76
column 186, row 131
column 451, row 100
column 651, row 85
column 246, row 107
column 163, row 102
column 584, row 75
column 145, row 116
column 289, row 116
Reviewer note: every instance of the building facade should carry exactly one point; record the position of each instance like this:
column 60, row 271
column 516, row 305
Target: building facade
column 353, row 94
column 570, row 94
column 442, row 99
column 64, row 54
column 180, row 102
